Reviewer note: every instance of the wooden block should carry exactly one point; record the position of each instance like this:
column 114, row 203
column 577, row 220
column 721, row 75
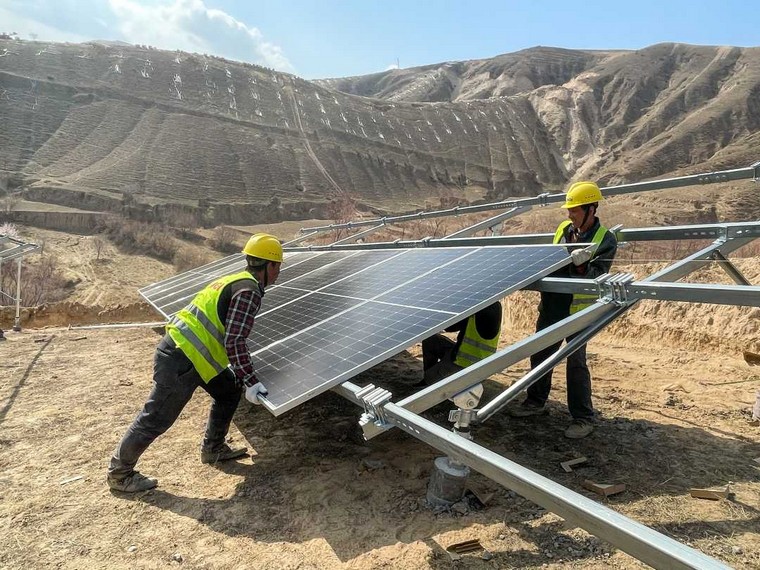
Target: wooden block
column 480, row 492
column 711, row 494
column 71, row 479
column 567, row 465
column 604, row 489
column 751, row 358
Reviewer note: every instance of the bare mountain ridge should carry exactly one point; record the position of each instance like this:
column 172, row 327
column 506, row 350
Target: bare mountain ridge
column 617, row 115
column 153, row 132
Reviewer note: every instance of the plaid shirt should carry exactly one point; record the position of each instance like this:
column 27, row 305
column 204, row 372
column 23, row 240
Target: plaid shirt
column 240, row 317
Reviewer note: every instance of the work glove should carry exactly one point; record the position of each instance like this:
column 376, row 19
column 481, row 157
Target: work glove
column 580, row 256
column 252, row 393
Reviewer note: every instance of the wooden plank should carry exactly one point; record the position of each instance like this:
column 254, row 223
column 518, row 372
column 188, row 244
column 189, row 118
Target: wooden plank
column 567, row 465
column 604, row 489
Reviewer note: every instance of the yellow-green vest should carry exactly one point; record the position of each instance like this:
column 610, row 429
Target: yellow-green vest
column 581, row 300
column 199, row 333
column 474, row 347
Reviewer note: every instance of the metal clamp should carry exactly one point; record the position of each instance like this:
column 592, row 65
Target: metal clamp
column 542, row 199
column 373, row 399
column 462, row 418
column 612, row 288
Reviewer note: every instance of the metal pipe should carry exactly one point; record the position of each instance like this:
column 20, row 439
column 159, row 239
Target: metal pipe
column 695, row 231
column 117, row 326
column 636, row 539
column 730, row 268
column 498, row 403
column 358, row 235
column 468, row 231
column 545, row 199
column 17, row 321
column 452, row 385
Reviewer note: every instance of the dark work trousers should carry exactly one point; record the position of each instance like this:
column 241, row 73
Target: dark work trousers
column 174, row 381
column 578, row 376
column 438, row 358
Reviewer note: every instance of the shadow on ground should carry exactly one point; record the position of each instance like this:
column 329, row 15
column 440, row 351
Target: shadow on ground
column 315, row 477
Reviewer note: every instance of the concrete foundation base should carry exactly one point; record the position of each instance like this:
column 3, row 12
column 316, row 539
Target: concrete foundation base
column 447, row 483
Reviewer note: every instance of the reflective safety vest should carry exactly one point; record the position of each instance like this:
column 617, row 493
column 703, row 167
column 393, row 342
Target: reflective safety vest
column 474, row 347
column 199, row 333
column 581, row 300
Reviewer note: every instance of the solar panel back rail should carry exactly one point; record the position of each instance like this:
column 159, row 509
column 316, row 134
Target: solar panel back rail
column 334, row 314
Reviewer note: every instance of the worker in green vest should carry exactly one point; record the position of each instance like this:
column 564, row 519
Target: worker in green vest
column 582, row 226
column 477, row 338
column 204, row 346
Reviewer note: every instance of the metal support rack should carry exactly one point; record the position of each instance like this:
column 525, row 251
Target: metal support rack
column 14, row 249
column 616, row 295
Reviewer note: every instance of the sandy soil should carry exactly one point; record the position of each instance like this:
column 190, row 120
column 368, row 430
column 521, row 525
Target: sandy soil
column 673, row 393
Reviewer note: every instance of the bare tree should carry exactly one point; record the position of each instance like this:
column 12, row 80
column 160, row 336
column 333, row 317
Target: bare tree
column 98, row 243
column 10, row 203
column 342, row 209
column 223, row 239
column 185, row 222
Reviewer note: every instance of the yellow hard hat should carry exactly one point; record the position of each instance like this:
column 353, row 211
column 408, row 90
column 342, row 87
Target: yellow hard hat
column 582, row 193
column 264, row 246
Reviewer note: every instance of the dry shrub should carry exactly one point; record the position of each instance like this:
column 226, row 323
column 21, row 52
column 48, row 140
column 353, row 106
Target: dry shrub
column 223, row 240
column 139, row 237
column 342, row 209
column 41, row 282
column 10, row 230
column 188, row 258
column 185, row 222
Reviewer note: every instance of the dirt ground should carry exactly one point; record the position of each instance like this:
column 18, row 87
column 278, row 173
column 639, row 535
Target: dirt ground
column 673, row 393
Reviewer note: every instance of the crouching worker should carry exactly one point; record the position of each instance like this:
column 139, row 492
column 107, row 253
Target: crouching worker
column 477, row 338
column 204, row 347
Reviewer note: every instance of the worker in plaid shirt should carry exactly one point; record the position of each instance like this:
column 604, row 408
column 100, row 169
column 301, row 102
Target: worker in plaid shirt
column 205, row 347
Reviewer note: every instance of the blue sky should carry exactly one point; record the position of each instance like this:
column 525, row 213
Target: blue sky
column 331, row 38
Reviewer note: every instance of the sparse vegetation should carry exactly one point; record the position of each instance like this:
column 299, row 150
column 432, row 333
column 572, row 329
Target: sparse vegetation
column 189, row 258
column 224, row 240
column 10, row 230
column 98, row 243
column 139, row 237
column 42, row 281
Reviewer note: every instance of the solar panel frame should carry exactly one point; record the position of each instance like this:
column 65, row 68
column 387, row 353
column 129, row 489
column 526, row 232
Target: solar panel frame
column 305, row 340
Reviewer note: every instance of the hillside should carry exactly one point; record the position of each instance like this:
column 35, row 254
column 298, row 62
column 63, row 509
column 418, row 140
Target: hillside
column 153, row 133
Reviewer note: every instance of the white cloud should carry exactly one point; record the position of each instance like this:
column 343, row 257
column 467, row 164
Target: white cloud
column 187, row 25
column 29, row 28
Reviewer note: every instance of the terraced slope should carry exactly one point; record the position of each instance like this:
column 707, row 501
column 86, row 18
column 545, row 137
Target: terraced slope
column 151, row 132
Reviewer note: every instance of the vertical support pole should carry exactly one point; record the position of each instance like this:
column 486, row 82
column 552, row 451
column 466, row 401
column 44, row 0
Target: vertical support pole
column 448, row 480
column 17, row 322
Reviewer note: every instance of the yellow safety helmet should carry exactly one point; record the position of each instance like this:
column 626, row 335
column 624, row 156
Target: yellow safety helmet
column 582, row 193
column 264, row 246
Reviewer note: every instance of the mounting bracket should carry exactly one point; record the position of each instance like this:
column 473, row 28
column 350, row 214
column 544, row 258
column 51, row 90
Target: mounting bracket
column 373, row 399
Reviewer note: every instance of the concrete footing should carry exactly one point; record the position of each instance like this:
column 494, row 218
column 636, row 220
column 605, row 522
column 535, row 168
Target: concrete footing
column 447, row 482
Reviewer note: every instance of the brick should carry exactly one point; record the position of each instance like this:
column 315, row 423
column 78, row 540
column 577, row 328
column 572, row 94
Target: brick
column 711, row 494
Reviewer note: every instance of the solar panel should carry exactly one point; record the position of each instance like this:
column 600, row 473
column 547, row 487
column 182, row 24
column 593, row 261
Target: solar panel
column 335, row 314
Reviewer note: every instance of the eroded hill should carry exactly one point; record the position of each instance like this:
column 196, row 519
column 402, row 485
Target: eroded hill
column 152, row 133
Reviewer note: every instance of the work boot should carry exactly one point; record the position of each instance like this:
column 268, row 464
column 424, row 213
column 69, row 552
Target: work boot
column 528, row 408
column 579, row 428
column 221, row 452
column 133, row 483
